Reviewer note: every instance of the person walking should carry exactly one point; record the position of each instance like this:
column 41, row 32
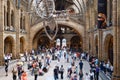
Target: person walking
column 55, row 73
column 61, row 71
column 36, row 72
column 6, row 68
column 97, row 72
column 24, row 75
column 81, row 65
column 91, row 74
column 14, row 72
column 19, row 70
column 80, row 75
column 87, row 77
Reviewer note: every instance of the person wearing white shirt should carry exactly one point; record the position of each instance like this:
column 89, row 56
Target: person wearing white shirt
column 87, row 77
column 91, row 74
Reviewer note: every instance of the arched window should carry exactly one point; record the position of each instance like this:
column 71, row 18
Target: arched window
column 8, row 13
column 7, row 19
column 16, row 3
column 12, row 19
column 24, row 22
column 4, row 16
column 109, row 13
column 111, row 8
column 21, row 22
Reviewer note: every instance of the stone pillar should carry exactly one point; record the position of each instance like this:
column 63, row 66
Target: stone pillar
column 17, row 27
column 100, row 32
column 92, row 43
column 1, row 31
column 27, row 29
column 116, row 40
column 84, row 43
column 87, row 22
column 84, row 37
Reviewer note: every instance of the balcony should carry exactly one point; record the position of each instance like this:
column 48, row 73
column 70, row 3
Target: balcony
column 23, row 31
column 11, row 28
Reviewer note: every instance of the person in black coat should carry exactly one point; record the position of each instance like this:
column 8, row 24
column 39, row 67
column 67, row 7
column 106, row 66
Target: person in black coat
column 55, row 71
column 81, row 64
column 6, row 68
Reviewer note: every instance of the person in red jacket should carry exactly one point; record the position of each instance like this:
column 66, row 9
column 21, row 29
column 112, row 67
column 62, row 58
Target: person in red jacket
column 24, row 76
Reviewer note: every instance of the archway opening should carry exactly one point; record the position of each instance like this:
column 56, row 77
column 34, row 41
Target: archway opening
column 76, row 44
column 22, row 45
column 8, row 45
column 110, row 50
column 64, row 31
column 43, row 42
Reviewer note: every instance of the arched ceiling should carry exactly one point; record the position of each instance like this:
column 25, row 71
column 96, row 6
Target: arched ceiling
column 72, row 6
column 79, row 5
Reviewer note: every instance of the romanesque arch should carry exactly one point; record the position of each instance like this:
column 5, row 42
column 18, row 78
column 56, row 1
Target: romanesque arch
column 22, row 44
column 38, row 27
column 108, row 48
column 76, row 43
column 9, row 45
column 40, row 42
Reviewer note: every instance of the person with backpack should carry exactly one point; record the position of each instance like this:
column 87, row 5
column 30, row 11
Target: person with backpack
column 61, row 71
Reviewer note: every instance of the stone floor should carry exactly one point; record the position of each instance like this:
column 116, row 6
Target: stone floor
column 46, row 76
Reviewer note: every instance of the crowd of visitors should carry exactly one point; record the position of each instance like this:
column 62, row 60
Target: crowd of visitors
column 39, row 64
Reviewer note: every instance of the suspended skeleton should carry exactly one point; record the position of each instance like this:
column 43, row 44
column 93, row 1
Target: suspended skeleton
column 45, row 9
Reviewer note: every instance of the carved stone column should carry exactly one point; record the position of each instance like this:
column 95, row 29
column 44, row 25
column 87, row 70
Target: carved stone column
column 116, row 40
column 17, row 27
column 1, row 31
column 100, row 32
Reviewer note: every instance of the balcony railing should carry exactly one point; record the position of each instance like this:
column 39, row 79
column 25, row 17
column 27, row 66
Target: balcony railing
column 11, row 28
column 23, row 31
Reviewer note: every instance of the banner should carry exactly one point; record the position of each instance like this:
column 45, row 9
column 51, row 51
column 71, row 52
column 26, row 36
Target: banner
column 102, row 14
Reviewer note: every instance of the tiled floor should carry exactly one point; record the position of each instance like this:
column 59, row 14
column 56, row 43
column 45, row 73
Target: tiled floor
column 49, row 74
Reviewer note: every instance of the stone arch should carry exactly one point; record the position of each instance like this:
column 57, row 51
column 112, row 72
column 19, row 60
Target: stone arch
column 76, row 43
column 78, row 28
column 9, row 45
column 43, row 41
column 22, row 44
column 108, row 48
column 35, row 29
column 96, row 45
